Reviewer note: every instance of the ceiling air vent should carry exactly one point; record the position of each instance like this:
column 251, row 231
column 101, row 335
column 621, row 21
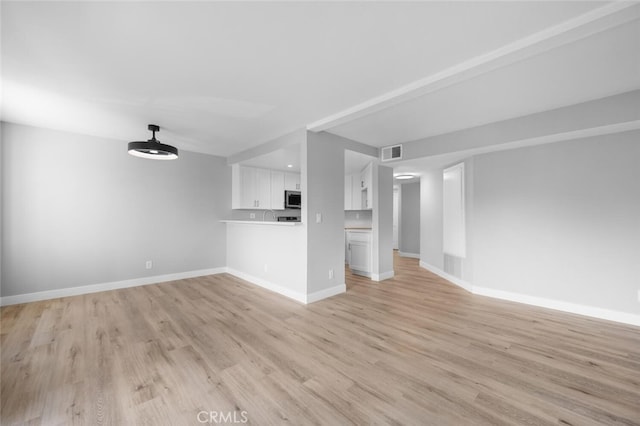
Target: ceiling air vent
column 390, row 153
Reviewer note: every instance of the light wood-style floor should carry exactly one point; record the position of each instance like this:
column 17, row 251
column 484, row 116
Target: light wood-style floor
column 412, row 350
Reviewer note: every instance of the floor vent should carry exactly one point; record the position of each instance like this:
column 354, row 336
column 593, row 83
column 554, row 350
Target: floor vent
column 393, row 152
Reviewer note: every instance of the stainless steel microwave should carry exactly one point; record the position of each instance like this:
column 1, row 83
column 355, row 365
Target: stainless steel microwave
column 292, row 199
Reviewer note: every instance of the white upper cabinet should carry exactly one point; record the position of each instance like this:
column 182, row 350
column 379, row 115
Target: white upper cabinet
column 248, row 188
column 292, row 181
column 358, row 190
column 263, row 188
column 356, row 197
column 256, row 188
column 366, row 180
column 347, row 192
column 251, row 188
column 277, row 190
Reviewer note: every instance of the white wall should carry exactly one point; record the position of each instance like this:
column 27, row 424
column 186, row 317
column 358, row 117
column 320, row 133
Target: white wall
column 614, row 110
column 561, row 221
column 323, row 193
column 382, row 223
column 556, row 225
column 272, row 256
column 431, row 218
column 78, row 210
column 409, row 241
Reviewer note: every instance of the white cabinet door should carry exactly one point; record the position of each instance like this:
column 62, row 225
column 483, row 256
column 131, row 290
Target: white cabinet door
column 255, row 188
column 251, row 188
column 366, row 176
column 236, row 193
column 247, row 188
column 277, row 190
column 366, row 183
column 360, row 258
column 359, row 251
column 263, row 189
column 347, row 192
column 356, row 192
column 292, row 181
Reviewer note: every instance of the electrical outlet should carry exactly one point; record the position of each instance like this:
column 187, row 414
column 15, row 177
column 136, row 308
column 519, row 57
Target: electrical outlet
column 357, row 215
column 252, row 215
column 266, row 267
column 330, row 274
column 638, row 295
column 318, row 217
column 148, row 264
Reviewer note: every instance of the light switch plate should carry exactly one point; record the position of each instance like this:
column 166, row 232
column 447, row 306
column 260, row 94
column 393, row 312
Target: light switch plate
column 318, row 217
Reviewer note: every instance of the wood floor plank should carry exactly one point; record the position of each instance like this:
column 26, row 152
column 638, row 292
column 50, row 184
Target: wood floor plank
column 411, row 350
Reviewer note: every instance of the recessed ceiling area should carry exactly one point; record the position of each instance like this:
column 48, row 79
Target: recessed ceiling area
column 222, row 77
column 279, row 159
column 354, row 162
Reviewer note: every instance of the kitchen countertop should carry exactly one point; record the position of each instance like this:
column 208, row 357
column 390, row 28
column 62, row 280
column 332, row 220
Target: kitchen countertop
column 262, row 222
column 357, row 229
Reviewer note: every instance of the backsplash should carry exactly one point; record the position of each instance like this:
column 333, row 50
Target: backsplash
column 357, row 218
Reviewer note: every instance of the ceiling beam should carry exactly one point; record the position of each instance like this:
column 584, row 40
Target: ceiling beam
column 592, row 22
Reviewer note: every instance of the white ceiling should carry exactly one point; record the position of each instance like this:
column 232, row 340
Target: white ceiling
column 290, row 155
column 354, row 162
column 280, row 159
column 220, row 78
column 604, row 64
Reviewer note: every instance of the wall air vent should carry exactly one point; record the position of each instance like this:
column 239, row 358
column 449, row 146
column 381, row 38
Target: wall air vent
column 390, row 153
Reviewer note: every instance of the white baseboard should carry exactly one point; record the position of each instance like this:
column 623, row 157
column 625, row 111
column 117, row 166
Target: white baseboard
column 291, row 294
column 297, row 296
column 114, row 285
column 455, row 280
column 383, row 276
column 573, row 308
column 589, row 311
column 413, row 255
column 328, row 292
column 95, row 288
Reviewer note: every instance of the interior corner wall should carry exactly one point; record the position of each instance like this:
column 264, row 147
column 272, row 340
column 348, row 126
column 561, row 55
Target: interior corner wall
column 561, row 221
column 410, row 218
column 78, row 210
column 323, row 193
column 431, row 218
column 382, row 222
column 431, row 221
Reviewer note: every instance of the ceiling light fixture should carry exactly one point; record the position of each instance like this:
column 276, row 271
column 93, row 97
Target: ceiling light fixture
column 152, row 148
column 404, row 176
column 289, row 165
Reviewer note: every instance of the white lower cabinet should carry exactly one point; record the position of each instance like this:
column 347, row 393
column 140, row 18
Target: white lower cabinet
column 358, row 250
